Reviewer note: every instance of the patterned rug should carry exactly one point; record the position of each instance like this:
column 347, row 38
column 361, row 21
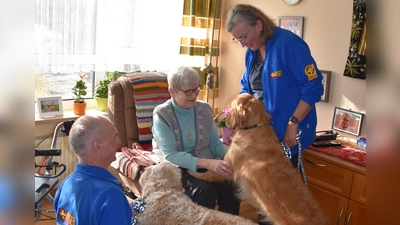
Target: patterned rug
column 350, row 154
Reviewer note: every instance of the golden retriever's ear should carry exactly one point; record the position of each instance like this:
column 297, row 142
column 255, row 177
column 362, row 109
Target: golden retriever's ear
column 246, row 110
column 257, row 108
column 239, row 113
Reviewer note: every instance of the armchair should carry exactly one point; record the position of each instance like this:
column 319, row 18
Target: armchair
column 131, row 100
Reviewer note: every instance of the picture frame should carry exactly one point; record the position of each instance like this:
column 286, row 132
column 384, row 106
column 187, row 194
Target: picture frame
column 347, row 121
column 49, row 107
column 292, row 23
column 326, row 82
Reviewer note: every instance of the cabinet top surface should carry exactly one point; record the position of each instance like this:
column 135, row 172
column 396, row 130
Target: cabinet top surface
column 337, row 159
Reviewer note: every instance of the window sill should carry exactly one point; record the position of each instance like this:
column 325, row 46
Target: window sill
column 69, row 114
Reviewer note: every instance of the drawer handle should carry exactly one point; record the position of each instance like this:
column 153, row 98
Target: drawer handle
column 315, row 164
column 348, row 218
column 340, row 216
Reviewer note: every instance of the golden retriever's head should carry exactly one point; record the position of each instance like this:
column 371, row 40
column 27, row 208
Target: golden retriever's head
column 164, row 175
column 246, row 111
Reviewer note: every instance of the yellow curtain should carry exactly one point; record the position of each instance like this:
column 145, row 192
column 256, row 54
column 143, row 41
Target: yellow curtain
column 201, row 21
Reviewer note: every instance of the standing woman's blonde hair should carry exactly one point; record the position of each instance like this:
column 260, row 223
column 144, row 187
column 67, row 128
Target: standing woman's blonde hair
column 249, row 15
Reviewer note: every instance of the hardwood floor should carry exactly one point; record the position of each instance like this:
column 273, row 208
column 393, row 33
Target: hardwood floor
column 47, row 218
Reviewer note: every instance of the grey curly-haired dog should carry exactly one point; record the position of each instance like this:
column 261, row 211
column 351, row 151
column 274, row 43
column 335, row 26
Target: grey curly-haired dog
column 167, row 204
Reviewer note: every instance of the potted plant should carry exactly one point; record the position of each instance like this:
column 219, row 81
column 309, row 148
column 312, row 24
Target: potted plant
column 226, row 132
column 101, row 95
column 78, row 91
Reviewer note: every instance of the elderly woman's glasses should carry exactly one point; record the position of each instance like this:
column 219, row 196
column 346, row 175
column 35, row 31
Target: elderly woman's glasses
column 191, row 91
column 242, row 39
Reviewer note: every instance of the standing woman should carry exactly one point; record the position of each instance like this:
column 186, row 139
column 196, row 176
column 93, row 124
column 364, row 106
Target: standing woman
column 185, row 135
column 280, row 72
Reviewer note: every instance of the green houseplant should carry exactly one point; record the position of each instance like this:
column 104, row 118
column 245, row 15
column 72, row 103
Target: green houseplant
column 101, row 90
column 101, row 94
column 79, row 91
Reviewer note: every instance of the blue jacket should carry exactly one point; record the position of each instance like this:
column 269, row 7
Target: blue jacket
column 290, row 74
column 91, row 195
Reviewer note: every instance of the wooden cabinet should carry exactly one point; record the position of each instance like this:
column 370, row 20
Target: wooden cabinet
column 356, row 213
column 338, row 186
column 332, row 204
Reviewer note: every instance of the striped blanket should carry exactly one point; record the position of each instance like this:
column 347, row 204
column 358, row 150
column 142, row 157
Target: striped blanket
column 149, row 89
column 132, row 161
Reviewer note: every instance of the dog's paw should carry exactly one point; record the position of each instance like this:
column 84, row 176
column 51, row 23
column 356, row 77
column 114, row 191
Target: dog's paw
column 195, row 174
column 208, row 176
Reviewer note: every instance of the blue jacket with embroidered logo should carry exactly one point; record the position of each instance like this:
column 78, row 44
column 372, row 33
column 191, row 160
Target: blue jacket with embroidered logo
column 289, row 75
column 91, row 195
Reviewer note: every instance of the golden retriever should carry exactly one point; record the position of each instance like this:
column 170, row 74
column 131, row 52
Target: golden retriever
column 167, row 203
column 266, row 178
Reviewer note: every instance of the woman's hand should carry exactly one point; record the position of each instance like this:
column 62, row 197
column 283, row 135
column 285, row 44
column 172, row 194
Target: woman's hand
column 222, row 167
column 218, row 166
column 289, row 140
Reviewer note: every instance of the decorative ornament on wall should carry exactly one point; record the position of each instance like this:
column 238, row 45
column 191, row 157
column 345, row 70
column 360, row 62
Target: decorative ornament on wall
column 292, row 23
column 356, row 64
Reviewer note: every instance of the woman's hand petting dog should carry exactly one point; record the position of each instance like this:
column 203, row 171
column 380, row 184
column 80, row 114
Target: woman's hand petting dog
column 221, row 167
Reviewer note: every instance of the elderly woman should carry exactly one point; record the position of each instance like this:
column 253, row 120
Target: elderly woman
column 185, row 134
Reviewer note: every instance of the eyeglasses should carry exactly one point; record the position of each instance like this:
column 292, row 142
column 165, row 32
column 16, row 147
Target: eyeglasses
column 191, row 91
column 242, row 39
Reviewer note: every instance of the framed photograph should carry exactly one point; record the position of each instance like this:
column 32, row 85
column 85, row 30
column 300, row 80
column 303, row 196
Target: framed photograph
column 292, row 23
column 347, row 121
column 326, row 81
column 49, row 106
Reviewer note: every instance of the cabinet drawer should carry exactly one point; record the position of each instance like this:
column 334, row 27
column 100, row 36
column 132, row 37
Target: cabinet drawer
column 359, row 188
column 328, row 176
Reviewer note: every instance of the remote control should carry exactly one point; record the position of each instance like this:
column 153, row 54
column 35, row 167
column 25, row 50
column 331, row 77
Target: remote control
column 326, row 143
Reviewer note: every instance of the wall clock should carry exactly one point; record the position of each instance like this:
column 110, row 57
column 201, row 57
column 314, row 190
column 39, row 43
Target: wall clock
column 291, row 2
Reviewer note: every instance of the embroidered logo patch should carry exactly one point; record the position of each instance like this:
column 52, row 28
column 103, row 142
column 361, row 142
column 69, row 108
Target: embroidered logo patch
column 66, row 217
column 310, row 72
column 276, row 74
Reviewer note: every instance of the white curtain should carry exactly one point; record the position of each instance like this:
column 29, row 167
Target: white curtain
column 99, row 35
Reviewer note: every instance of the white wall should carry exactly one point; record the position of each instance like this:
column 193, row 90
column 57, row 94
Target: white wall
column 327, row 27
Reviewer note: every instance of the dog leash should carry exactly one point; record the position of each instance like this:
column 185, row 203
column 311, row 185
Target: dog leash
column 288, row 153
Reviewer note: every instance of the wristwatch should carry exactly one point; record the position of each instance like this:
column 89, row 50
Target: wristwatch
column 294, row 119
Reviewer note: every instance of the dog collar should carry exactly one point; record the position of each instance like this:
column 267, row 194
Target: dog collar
column 255, row 125
column 138, row 206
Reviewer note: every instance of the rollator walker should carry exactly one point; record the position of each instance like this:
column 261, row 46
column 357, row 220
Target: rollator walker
column 45, row 178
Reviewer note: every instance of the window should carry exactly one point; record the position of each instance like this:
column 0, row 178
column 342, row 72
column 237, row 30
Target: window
column 75, row 36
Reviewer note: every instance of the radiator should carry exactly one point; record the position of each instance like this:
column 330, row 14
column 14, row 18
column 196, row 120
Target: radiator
column 67, row 157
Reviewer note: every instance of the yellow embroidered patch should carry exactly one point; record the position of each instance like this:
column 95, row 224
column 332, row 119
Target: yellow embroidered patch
column 276, row 74
column 310, row 72
column 64, row 215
